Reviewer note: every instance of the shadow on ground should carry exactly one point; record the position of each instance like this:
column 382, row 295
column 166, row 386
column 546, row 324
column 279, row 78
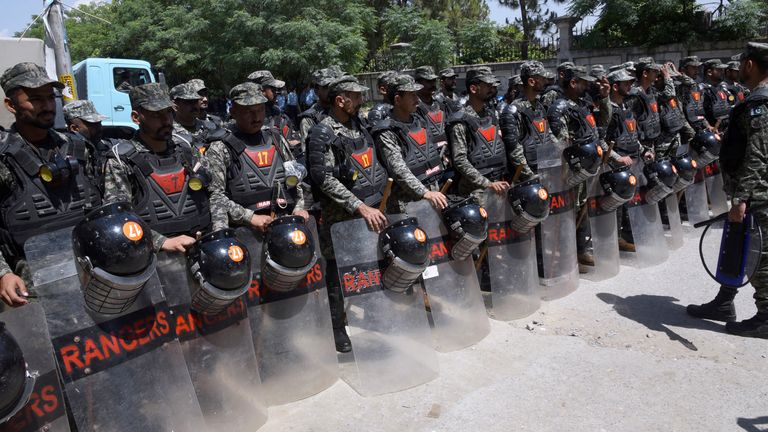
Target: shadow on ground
column 751, row 424
column 657, row 313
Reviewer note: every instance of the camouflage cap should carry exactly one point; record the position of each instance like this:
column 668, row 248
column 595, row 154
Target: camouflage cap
column 27, row 75
column 734, row 65
column 150, row 96
column 264, row 78
column 324, row 77
column 480, row 74
column 404, row 83
column 597, row 71
column 533, row 68
column 620, row 75
column 644, row 63
column 515, row 80
column 347, row 83
column 197, row 84
column 425, row 73
column 753, row 50
column 385, row 78
column 448, row 73
column 565, row 65
column 714, row 64
column 184, row 91
column 580, row 72
column 84, row 110
column 690, row 61
column 247, row 94
column 629, row 66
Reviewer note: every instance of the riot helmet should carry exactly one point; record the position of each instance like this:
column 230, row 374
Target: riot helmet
column 530, row 203
column 686, row 170
column 114, row 255
column 707, row 147
column 221, row 265
column 406, row 249
column 584, row 160
column 467, row 224
column 289, row 253
column 661, row 176
column 16, row 383
column 619, row 186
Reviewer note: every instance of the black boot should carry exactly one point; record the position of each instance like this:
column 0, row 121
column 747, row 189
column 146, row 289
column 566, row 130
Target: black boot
column 343, row 344
column 336, row 303
column 756, row 327
column 719, row 309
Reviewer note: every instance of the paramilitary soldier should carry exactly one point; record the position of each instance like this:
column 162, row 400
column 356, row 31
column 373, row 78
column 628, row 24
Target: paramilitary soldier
column 188, row 129
column 210, row 121
column 675, row 129
column 690, row 94
column 642, row 101
column 380, row 110
column 161, row 178
column 408, row 150
column 84, row 122
column 447, row 95
column 555, row 91
column 742, row 158
column 45, row 177
column 434, row 113
column 717, row 106
column 732, row 84
column 479, row 154
column 348, row 181
column 275, row 118
column 321, row 79
column 247, row 167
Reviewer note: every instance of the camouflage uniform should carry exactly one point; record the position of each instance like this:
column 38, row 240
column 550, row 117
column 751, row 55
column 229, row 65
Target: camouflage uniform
column 86, row 111
column 218, row 160
column 555, row 92
column 192, row 136
column 308, row 118
column 198, row 86
column 380, row 110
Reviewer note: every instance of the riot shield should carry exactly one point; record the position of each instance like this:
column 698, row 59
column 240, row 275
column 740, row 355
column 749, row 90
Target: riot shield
column 391, row 340
column 696, row 199
column 218, row 351
column 673, row 231
column 604, row 233
column 647, row 231
column 44, row 409
column 292, row 331
column 558, row 267
column 731, row 252
column 120, row 372
column 453, row 290
column 718, row 202
column 512, row 263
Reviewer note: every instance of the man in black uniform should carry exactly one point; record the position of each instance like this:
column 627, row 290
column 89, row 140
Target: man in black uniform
column 45, row 176
column 716, row 97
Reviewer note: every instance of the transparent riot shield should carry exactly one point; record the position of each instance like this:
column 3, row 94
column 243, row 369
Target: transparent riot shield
column 218, row 351
column 696, row 201
column 604, row 233
column 454, row 294
column 512, row 263
column 674, row 229
column 44, row 410
column 715, row 188
column 647, row 230
column 391, row 340
column 292, row 331
column 123, row 372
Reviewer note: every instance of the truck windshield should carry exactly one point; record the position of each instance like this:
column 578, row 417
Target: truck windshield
column 126, row 78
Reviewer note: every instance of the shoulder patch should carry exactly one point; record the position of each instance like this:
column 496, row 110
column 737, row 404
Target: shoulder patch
column 758, row 111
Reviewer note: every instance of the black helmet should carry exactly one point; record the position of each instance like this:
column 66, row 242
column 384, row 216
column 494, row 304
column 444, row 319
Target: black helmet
column 221, row 259
column 619, row 181
column 468, row 216
column 530, row 203
column 289, row 242
column 405, row 240
column 15, row 383
column 661, row 170
column 585, row 156
column 706, row 141
column 686, row 170
column 114, row 255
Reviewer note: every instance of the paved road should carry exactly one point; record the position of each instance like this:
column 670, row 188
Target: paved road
column 619, row 355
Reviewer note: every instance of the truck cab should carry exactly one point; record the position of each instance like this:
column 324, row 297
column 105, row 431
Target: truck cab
column 107, row 82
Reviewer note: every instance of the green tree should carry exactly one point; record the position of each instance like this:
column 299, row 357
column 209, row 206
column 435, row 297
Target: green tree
column 479, row 42
column 742, row 19
column 429, row 41
column 534, row 17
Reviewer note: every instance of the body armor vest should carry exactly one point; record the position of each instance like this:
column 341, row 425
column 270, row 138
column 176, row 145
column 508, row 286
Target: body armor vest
column 436, row 119
column 256, row 172
column 648, row 122
column 486, row 150
column 693, row 104
column 671, row 115
column 737, row 91
column 35, row 206
column 718, row 102
column 534, row 132
column 359, row 168
column 585, row 130
column 315, row 113
column 164, row 199
column 623, row 131
column 421, row 153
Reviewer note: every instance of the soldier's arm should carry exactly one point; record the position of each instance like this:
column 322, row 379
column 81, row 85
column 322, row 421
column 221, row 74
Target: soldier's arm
column 606, row 111
column 510, row 134
column 223, row 209
column 457, row 139
column 5, row 268
column 7, row 182
column 305, row 125
column 754, row 168
column 669, row 87
column 558, row 121
column 335, row 190
column 388, row 144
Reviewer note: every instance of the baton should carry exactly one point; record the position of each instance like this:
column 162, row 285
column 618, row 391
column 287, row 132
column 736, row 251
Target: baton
column 725, row 215
column 518, row 171
column 385, row 196
column 446, row 186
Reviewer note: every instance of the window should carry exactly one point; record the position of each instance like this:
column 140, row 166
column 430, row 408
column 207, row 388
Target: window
column 126, row 78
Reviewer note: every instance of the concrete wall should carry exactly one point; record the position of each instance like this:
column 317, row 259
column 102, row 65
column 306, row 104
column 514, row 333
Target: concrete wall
column 17, row 51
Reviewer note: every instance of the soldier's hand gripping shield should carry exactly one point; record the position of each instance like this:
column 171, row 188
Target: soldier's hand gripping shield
column 205, row 292
column 114, row 255
column 645, row 223
column 451, row 281
column 391, row 340
column 123, row 371
column 530, row 202
column 614, row 188
column 731, row 252
column 291, row 330
column 511, row 253
column 30, row 392
column 558, row 269
column 584, row 160
column 289, row 254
